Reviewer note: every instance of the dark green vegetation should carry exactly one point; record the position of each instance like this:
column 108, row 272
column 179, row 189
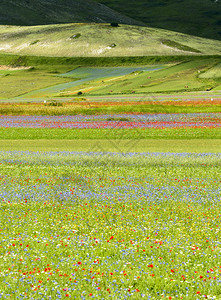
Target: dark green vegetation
column 108, row 134
column 53, row 62
column 195, row 17
column 179, row 46
column 39, row 12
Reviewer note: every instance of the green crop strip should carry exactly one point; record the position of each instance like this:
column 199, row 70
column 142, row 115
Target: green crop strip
column 123, row 134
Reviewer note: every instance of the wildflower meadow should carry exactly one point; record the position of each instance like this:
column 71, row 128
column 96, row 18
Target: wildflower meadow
column 110, row 151
column 84, row 225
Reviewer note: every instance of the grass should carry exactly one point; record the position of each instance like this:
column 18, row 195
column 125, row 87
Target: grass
column 17, row 83
column 95, row 41
column 40, row 75
column 50, row 62
column 147, row 145
column 108, row 134
column 109, row 226
column 214, row 72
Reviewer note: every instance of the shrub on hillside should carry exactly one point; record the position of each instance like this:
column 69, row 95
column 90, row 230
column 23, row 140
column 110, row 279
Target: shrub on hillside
column 19, row 61
column 112, row 45
column 114, row 25
column 34, row 42
column 53, row 103
column 75, row 36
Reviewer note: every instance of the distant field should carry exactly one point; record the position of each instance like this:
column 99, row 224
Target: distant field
column 64, row 78
column 83, row 75
column 101, row 40
column 15, row 83
column 182, row 77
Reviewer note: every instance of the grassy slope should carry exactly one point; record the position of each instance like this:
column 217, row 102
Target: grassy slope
column 196, row 17
column 214, row 72
column 39, row 12
column 14, row 83
column 101, row 40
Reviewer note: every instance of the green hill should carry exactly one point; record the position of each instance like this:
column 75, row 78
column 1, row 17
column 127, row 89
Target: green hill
column 101, row 40
column 195, row 17
column 40, row 12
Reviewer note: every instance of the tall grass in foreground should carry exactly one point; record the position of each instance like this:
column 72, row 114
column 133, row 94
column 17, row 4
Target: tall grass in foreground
column 89, row 225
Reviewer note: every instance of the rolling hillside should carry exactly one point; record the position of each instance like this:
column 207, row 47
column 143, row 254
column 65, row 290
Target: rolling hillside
column 195, row 17
column 101, row 40
column 40, row 12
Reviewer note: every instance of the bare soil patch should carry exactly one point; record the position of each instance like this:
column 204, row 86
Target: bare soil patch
column 10, row 68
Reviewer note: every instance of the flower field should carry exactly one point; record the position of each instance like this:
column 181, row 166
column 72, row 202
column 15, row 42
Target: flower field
column 208, row 120
column 109, row 226
column 110, row 170
column 125, row 126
